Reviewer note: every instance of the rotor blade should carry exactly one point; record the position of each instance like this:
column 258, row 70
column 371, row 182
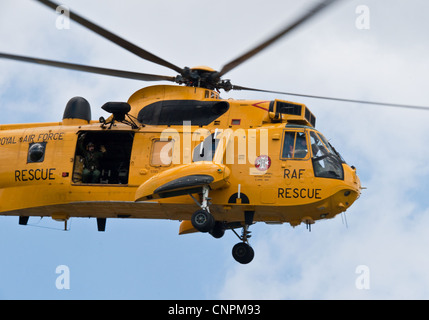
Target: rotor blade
column 386, row 104
column 115, row 39
column 79, row 67
column 312, row 12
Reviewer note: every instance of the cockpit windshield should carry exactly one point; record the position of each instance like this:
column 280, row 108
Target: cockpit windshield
column 327, row 163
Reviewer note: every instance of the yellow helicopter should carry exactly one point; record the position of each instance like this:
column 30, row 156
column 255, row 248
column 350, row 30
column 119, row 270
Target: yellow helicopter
column 178, row 152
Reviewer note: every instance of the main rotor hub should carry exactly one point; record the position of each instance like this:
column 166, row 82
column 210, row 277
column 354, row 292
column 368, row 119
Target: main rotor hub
column 203, row 77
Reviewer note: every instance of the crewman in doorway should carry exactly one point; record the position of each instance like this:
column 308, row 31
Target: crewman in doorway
column 91, row 163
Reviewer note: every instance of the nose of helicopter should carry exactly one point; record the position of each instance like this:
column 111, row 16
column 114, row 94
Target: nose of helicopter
column 353, row 179
column 344, row 198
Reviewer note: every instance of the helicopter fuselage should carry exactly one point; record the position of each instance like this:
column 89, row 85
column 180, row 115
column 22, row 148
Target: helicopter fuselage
column 260, row 156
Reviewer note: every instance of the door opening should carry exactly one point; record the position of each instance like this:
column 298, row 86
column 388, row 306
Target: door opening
column 102, row 157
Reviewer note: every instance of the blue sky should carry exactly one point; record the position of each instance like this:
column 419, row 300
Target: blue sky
column 146, row 259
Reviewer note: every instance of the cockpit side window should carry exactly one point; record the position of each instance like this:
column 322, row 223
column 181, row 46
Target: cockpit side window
column 294, row 145
column 317, row 146
column 301, row 149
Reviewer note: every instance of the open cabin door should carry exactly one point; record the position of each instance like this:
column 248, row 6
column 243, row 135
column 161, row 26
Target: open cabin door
column 102, row 157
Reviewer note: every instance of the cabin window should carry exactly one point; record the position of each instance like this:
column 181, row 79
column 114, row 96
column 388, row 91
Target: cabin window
column 205, row 151
column 326, row 162
column 176, row 112
column 294, row 145
column 162, row 153
column 36, row 152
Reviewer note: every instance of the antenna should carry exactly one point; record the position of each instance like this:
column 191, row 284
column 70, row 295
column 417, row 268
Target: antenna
column 119, row 111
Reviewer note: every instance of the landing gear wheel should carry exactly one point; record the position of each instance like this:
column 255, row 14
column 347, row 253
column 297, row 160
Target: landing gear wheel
column 202, row 220
column 243, row 253
column 218, row 230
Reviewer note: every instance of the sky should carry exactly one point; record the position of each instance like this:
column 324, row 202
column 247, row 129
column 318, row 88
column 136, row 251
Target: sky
column 376, row 250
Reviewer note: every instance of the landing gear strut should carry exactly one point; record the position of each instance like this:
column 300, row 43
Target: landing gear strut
column 242, row 251
column 203, row 221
